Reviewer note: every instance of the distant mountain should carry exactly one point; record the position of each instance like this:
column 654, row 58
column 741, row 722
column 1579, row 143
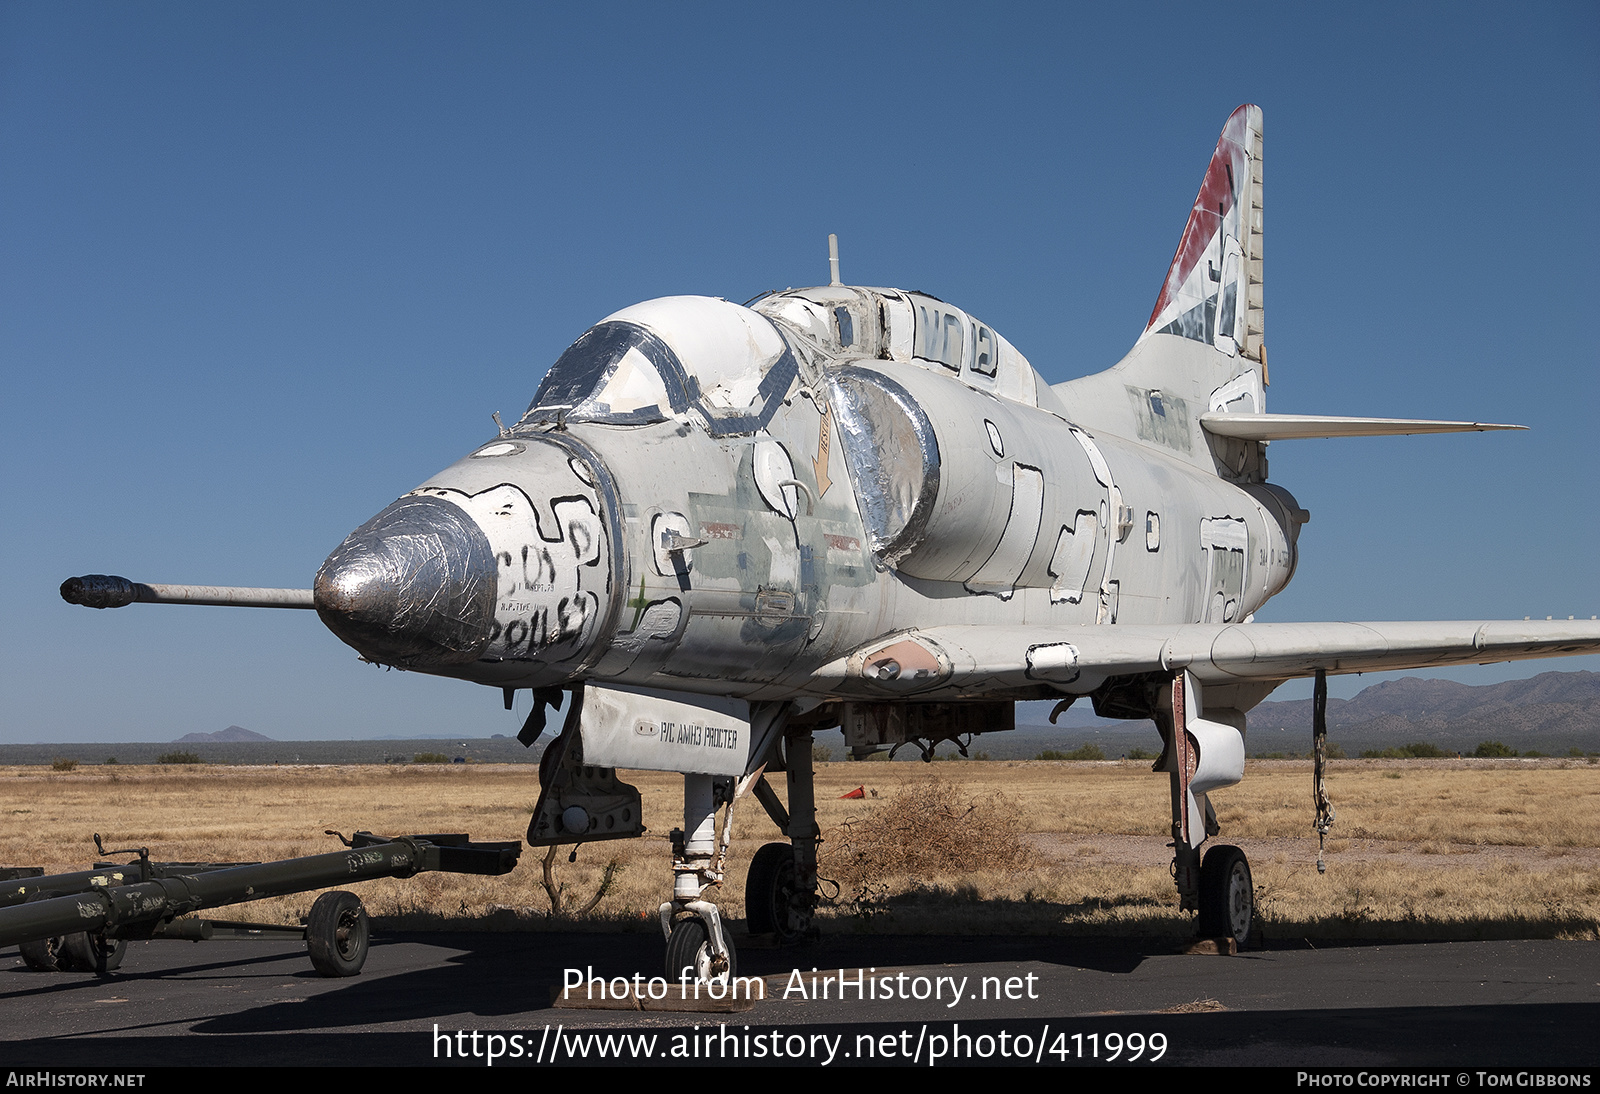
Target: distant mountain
column 1554, row 710
column 1551, row 704
column 231, row 735
column 1080, row 715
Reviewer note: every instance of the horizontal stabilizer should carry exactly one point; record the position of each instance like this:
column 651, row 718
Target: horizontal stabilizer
column 1284, row 427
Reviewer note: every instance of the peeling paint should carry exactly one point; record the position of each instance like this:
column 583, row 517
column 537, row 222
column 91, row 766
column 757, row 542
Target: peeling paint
column 1074, row 552
column 1160, row 418
column 998, row 576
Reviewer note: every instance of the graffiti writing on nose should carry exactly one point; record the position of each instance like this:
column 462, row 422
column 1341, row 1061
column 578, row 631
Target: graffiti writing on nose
column 528, row 633
column 542, row 553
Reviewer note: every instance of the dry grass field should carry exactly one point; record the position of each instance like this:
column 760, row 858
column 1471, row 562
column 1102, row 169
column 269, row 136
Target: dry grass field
column 1421, row 849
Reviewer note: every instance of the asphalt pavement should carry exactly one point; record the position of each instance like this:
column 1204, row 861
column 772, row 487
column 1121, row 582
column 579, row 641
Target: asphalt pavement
column 484, row 999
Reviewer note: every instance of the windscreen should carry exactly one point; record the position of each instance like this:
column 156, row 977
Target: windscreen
column 617, row 373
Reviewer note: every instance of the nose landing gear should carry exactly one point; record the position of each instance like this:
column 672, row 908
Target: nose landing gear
column 582, row 800
column 693, row 953
column 780, row 889
column 698, row 944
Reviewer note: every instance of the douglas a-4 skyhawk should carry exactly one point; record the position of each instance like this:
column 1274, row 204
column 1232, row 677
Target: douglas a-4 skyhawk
column 721, row 528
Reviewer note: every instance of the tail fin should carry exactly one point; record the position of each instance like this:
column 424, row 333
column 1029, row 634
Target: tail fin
column 1202, row 351
column 1212, row 292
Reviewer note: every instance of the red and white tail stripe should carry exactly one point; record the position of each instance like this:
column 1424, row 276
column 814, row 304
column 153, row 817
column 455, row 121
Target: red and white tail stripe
column 1212, row 292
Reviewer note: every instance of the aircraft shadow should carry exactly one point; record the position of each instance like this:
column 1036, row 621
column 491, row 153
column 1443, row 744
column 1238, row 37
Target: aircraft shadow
column 499, row 974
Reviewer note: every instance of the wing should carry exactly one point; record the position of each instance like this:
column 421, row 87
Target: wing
column 970, row 660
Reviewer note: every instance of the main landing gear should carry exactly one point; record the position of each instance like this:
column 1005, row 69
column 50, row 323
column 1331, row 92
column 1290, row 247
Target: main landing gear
column 1227, row 898
column 780, row 891
column 769, row 892
column 1204, row 755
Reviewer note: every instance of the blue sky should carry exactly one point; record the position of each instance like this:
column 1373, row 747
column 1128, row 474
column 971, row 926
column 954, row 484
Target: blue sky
column 264, row 267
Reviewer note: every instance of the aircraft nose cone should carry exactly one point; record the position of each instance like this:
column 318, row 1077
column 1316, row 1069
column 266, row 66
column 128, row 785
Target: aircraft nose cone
column 413, row 587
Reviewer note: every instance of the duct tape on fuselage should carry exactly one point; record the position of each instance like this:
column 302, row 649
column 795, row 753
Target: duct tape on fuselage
column 652, row 731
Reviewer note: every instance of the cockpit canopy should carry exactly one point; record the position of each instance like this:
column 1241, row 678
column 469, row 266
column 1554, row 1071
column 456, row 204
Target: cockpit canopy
column 680, row 355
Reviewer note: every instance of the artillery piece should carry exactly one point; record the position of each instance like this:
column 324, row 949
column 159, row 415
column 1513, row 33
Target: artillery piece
column 84, row 920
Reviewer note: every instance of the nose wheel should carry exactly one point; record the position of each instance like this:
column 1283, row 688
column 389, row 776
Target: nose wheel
column 691, row 955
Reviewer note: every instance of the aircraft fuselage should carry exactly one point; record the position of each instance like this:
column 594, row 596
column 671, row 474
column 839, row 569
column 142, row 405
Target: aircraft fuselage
column 923, row 485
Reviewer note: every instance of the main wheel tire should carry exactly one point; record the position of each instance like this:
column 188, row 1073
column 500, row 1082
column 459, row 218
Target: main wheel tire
column 46, row 954
column 768, row 890
column 1227, row 895
column 689, row 948
column 337, row 934
column 84, row 952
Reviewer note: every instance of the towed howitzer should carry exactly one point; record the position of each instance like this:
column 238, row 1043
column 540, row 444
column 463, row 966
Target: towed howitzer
column 89, row 915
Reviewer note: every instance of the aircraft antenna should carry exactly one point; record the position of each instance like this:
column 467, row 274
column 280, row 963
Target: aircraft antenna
column 833, row 259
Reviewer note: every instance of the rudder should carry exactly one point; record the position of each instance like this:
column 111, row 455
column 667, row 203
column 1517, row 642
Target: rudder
column 1213, row 289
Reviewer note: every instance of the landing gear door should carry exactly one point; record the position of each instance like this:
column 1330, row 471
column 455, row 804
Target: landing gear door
column 650, row 731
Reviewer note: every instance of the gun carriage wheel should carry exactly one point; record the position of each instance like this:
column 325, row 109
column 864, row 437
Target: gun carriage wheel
column 84, row 952
column 45, row 954
column 337, row 934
